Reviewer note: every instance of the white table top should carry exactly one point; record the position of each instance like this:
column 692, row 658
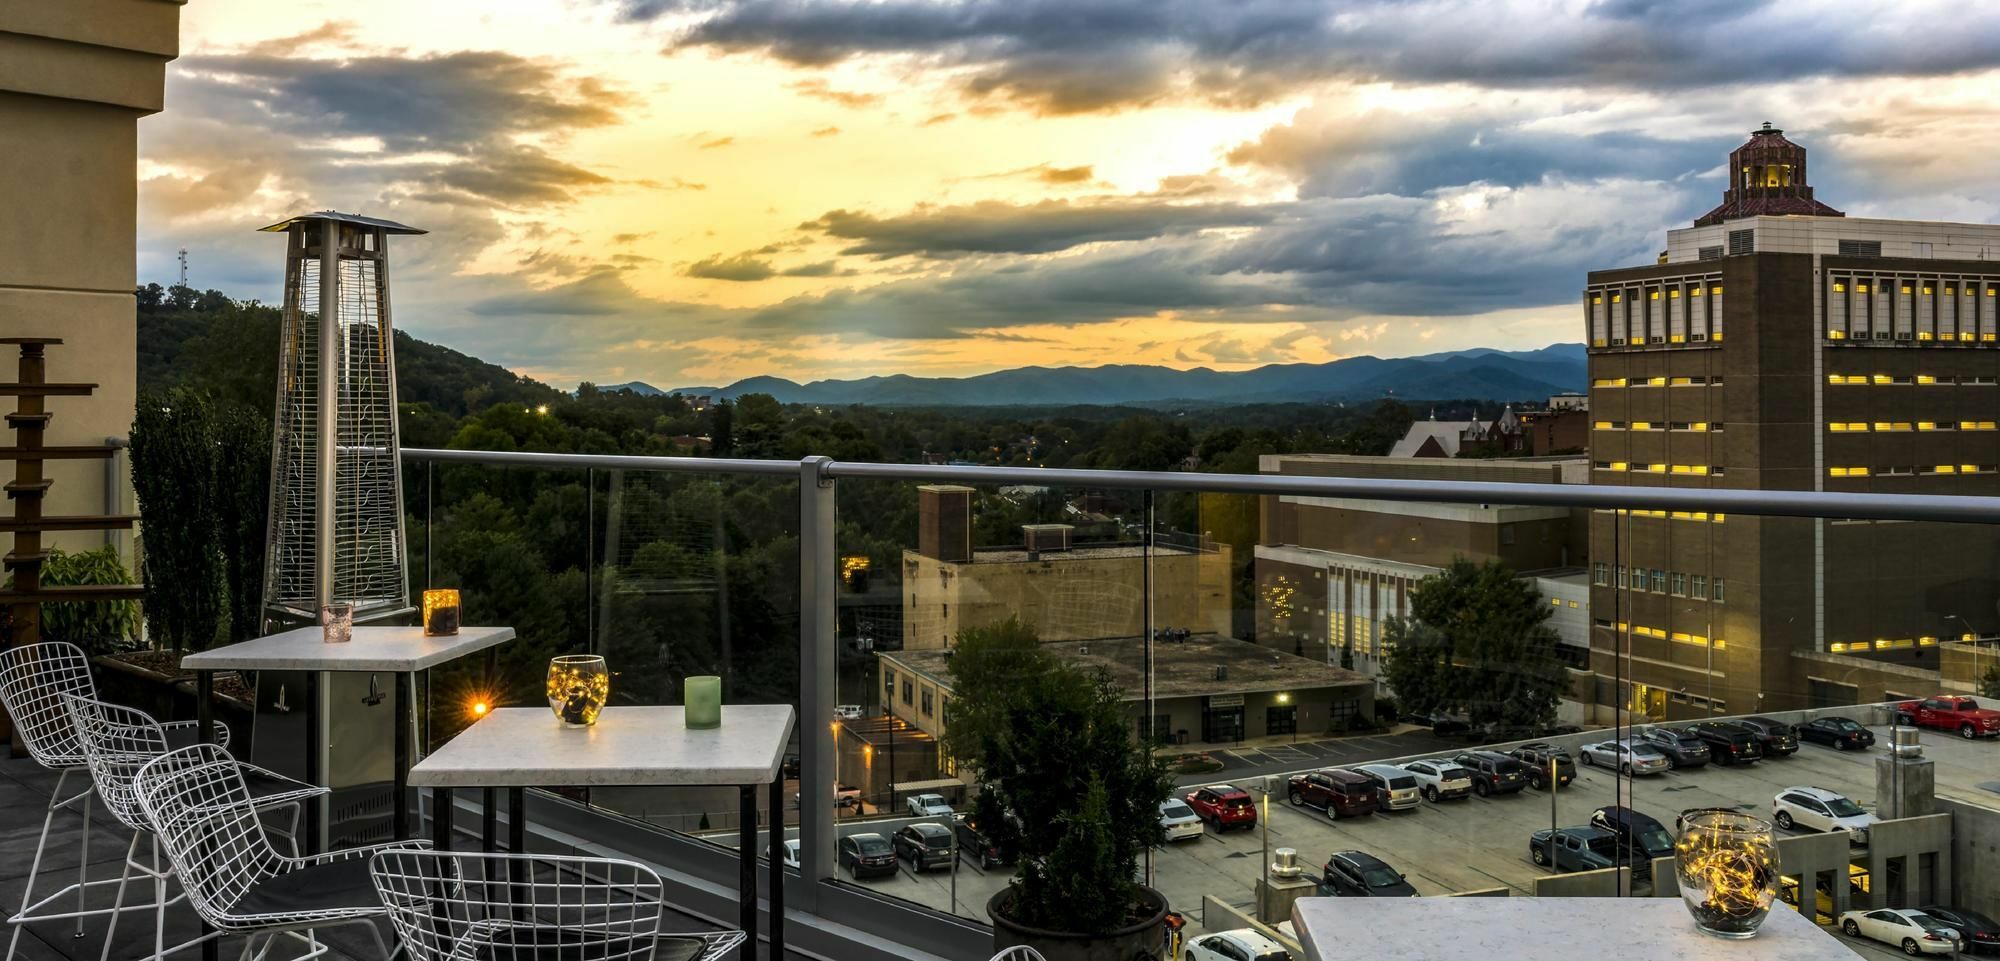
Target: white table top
column 638, row 746
column 372, row 649
column 1492, row 929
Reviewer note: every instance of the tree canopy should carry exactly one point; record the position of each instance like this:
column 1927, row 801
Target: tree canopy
column 1477, row 642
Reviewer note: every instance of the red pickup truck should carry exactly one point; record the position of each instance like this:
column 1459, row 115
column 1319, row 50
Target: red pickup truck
column 1950, row 712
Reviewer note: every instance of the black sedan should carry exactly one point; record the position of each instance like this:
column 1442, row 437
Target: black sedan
column 1978, row 933
column 1839, row 733
column 867, row 856
column 925, row 846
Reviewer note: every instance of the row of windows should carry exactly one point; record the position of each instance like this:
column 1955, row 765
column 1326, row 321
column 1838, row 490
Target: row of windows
column 1964, row 336
column 1923, row 470
column 1696, row 381
column 1678, row 637
column 1918, row 380
column 1897, row 426
column 1663, row 515
column 1558, row 602
column 1950, row 290
column 1672, row 293
column 1679, row 310
column 1922, row 309
column 1886, row 644
column 1619, row 466
column 1657, row 581
column 1697, row 426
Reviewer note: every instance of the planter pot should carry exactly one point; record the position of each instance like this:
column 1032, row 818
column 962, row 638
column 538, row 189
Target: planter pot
column 1140, row 941
column 125, row 682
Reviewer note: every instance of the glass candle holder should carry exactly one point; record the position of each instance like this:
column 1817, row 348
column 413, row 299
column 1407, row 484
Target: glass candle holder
column 441, row 612
column 336, row 622
column 1727, row 866
column 579, row 684
column 702, row 700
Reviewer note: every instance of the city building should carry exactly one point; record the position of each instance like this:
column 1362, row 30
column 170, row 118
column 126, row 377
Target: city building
column 1206, row 688
column 1064, row 589
column 1861, row 355
column 1330, row 572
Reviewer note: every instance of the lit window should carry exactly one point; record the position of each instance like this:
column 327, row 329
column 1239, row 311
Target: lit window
column 1674, row 294
column 1642, row 425
column 1836, row 335
column 1839, row 288
column 1860, row 288
column 1608, row 382
column 1681, row 382
column 1700, row 425
column 1930, row 425
column 1617, row 465
column 1656, row 468
column 1717, row 336
column 1924, row 335
column 1555, row 602
column 1597, row 343
column 1927, row 290
column 1927, row 378
column 1715, row 289
column 1847, row 471
column 1656, row 382
column 1951, row 291
column 1884, row 379
column 1676, row 339
column 1696, row 292
column 1602, row 425
column 1655, row 295
column 1718, row 645
column 1927, row 641
column 1965, row 335
column 1837, row 647
column 1968, row 468
column 1944, row 469
column 1597, row 300
column 1906, row 288
column 1617, row 298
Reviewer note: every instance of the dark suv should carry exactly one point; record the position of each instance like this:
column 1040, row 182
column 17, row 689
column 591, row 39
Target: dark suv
column 926, row 845
column 1777, row 738
column 1356, row 874
column 1535, row 760
column 1341, row 793
column 1493, row 772
column 1680, row 747
column 1640, row 838
column 973, row 843
column 1727, row 743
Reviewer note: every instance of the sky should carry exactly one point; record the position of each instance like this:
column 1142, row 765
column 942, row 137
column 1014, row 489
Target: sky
column 690, row 192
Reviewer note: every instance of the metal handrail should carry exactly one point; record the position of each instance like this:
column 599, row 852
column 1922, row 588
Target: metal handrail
column 1770, row 503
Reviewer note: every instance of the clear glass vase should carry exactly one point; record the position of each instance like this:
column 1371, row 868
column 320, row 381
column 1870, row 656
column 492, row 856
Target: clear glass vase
column 579, row 684
column 1727, row 866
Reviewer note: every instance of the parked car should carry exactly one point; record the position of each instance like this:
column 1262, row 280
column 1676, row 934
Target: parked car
column 848, row 712
column 1949, row 712
column 1681, row 819
column 1821, row 810
column 1357, row 874
column 927, row 806
column 1907, row 928
column 1493, row 772
column 789, row 770
column 1626, row 757
column 925, row 845
column 1728, row 745
column 1777, row 738
column 1684, row 750
column 867, row 856
column 1223, row 806
column 1839, row 733
column 1241, row 944
column 789, row 851
column 1441, row 724
column 1179, row 820
column 1977, row 933
column 1341, row 794
column 1395, row 788
column 1535, row 758
column 975, row 843
column 1639, row 837
column 1581, row 848
column 1440, row 780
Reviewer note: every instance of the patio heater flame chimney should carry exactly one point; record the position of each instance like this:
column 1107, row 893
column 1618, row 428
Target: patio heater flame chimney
column 336, row 523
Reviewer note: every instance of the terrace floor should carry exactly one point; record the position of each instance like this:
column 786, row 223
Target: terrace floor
column 24, row 794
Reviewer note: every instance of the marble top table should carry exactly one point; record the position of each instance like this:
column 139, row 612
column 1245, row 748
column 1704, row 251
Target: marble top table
column 399, row 649
column 1492, row 929
column 645, row 746
column 523, row 747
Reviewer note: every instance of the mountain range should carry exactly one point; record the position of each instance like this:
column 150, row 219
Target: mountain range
column 1479, row 373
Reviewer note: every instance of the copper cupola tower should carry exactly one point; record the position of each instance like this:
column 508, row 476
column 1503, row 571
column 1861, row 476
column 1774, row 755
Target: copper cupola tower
column 1767, row 177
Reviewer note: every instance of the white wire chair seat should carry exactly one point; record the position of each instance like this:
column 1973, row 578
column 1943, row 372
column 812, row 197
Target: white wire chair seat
column 35, row 680
column 462, row 906
column 206, row 820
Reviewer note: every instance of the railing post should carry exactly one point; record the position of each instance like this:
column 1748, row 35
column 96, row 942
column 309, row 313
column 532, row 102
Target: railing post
column 818, row 665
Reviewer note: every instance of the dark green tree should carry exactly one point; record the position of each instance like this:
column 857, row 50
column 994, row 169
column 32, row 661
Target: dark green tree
column 1065, row 788
column 720, row 438
column 174, row 478
column 1989, row 683
column 1476, row 641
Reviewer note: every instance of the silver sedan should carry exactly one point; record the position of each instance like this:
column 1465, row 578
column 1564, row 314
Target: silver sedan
column 1625, row 757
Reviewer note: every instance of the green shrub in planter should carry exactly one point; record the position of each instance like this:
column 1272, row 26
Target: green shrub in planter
column 174, row 475
column 99, row 627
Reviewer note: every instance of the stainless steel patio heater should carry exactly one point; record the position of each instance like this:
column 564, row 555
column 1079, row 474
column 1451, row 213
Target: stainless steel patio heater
column 336, row 524
column 336, row 521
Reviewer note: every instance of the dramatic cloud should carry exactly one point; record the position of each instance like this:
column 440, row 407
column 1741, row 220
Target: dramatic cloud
column 741, row 268
column 993, row 227
column 1061, row 56
column 819, row 89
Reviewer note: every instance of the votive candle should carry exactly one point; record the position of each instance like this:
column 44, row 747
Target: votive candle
column 337, row 622
column 703, row 700
column 441, row 612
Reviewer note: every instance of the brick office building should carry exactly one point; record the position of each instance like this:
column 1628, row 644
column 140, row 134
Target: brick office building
column 1780, row 345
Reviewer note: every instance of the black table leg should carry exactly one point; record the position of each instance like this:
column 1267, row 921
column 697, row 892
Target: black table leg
column 517, row 820
column 489, row 820
column 204, row 712
column 746, row 879
column 777, row 869
column 441, row 818
column 405, row 700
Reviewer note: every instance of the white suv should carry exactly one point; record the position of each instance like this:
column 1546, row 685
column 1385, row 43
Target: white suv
column 1441, row 779
column 1242, row 944
column 1821, row 810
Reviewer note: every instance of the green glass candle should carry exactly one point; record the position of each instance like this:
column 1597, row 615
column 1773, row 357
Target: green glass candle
column 703, row 699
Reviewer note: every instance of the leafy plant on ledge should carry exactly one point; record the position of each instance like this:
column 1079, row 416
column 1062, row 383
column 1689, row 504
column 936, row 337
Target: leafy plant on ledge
column 99, row 627
column 1065, row 789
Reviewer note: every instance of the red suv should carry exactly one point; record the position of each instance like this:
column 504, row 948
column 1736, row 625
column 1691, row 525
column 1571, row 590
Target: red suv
column 1223, row 806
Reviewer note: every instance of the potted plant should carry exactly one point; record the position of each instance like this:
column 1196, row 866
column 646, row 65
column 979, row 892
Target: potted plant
column 1070, row 795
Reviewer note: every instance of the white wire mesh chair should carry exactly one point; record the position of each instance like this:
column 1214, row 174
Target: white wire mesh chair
column 1019, row 952
column 117, row 741
column 204, row 817
column 34, row 678
column 457, row 906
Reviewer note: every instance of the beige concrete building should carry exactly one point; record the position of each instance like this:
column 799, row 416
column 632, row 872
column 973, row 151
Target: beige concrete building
column 75, row 77
column 1065, row 591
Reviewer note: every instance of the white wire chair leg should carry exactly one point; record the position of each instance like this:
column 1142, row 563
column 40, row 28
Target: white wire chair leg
column 83, row 867
column 118, row 904
column 57, row 802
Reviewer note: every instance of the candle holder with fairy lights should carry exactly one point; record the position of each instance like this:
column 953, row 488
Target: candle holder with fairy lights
column 1727, row 866
column 579, row 684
